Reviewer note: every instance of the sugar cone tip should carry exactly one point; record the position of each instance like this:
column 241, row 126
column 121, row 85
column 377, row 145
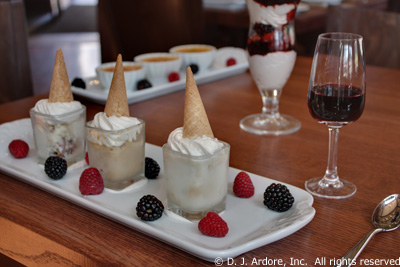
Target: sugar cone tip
column 60, row 88
column 117, row 100
column 195, row 120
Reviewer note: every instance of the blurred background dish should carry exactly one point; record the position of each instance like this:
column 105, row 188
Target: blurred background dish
column 225, row 4
column 229, row 56
column 133, row 72
column 198, row 56
column 159, row 65
column 323, row 2
column 302, row 7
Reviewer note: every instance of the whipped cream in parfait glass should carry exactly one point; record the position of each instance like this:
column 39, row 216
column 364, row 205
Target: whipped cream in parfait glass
column 272, row 56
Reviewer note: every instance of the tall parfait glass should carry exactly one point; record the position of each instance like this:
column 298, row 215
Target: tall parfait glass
column 270, row 45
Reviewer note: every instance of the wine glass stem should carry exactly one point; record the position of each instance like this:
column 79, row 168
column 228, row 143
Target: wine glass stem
column 331, row 176
column 270, row 100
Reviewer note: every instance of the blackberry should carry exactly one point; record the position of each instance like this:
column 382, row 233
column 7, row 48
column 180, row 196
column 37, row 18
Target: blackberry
column 194, row 67
column 152, row 169
column 55, row 167
column 261, row 28
column 143, row 84
column 78, row 82
column 149, row 208
column 277, row 197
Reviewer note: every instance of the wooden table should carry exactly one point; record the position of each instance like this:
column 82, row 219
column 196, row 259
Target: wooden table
column 39, row 229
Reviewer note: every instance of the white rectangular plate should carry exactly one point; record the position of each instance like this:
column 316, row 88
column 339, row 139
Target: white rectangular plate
column 251, row 224
column 95, row 91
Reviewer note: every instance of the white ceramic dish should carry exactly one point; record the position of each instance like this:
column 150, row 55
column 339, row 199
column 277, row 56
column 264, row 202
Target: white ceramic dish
column 95, row 91
column 159, row 70
column 251, row 224
column 203, row 59
column 131, row 76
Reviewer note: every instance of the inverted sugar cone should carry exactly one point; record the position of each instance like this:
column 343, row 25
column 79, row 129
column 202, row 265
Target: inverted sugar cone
column 60, row 88
column 117, row 101
column 195, row 120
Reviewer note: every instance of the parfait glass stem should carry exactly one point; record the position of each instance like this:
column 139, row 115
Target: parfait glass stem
column 331, row 177
column 271, row 103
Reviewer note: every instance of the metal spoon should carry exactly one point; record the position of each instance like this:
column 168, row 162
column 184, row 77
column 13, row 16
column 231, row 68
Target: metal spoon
column 386, row 217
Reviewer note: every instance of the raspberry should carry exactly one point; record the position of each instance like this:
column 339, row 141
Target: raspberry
column 152, row 169
column 230, row 62
column 91, row 182
column 194, row 67
column 277, row 197
column 78, row 82
column 149, row 208
column 173, row 76
column 87, row 158
column 213, row 225
column 143, row 84
column 18, row 148
column 243, row 186
column 55, row 167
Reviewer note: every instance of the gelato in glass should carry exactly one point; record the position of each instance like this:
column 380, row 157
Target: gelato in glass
column 58, row 122
column 195, row 162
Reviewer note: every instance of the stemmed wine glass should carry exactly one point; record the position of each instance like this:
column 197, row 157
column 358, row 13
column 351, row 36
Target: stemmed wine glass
column 336, row 97
column 270, row 46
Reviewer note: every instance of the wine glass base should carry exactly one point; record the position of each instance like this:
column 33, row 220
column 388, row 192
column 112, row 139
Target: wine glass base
column 317, row 188
column 263, row 124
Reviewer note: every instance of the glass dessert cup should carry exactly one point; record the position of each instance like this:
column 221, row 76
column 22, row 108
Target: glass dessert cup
column 336, row 97
column 62, row 135
column 121, row 164
column 271, row 61
column 196, row 184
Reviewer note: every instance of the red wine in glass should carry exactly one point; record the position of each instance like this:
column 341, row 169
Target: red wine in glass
column 336, row 97
column 336, row 103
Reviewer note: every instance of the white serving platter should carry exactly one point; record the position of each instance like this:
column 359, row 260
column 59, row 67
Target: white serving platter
column 95, row 91
column 251, row 224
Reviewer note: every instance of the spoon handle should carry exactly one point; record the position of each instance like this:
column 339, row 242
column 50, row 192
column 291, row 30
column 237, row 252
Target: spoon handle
column 351, row 257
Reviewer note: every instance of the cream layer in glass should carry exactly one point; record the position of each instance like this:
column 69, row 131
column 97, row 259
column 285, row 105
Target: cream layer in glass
column 118, row 154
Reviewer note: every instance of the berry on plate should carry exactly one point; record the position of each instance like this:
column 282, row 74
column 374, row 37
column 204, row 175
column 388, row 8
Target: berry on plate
column 173, row 76
column 149, row 208
column 18, row 148
column 91, row 182
column 143, row 84
column 243, row 186
column 55, row 167
column 213, row 225
column 152, row 169
column 277, row 197
column 194, row 68
column 78, row 82
column 230, row 62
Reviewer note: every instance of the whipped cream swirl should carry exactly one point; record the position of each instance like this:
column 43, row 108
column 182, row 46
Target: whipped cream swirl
column 113, row 123
column 199, row 146
column 56, row 108
column 275, row 15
